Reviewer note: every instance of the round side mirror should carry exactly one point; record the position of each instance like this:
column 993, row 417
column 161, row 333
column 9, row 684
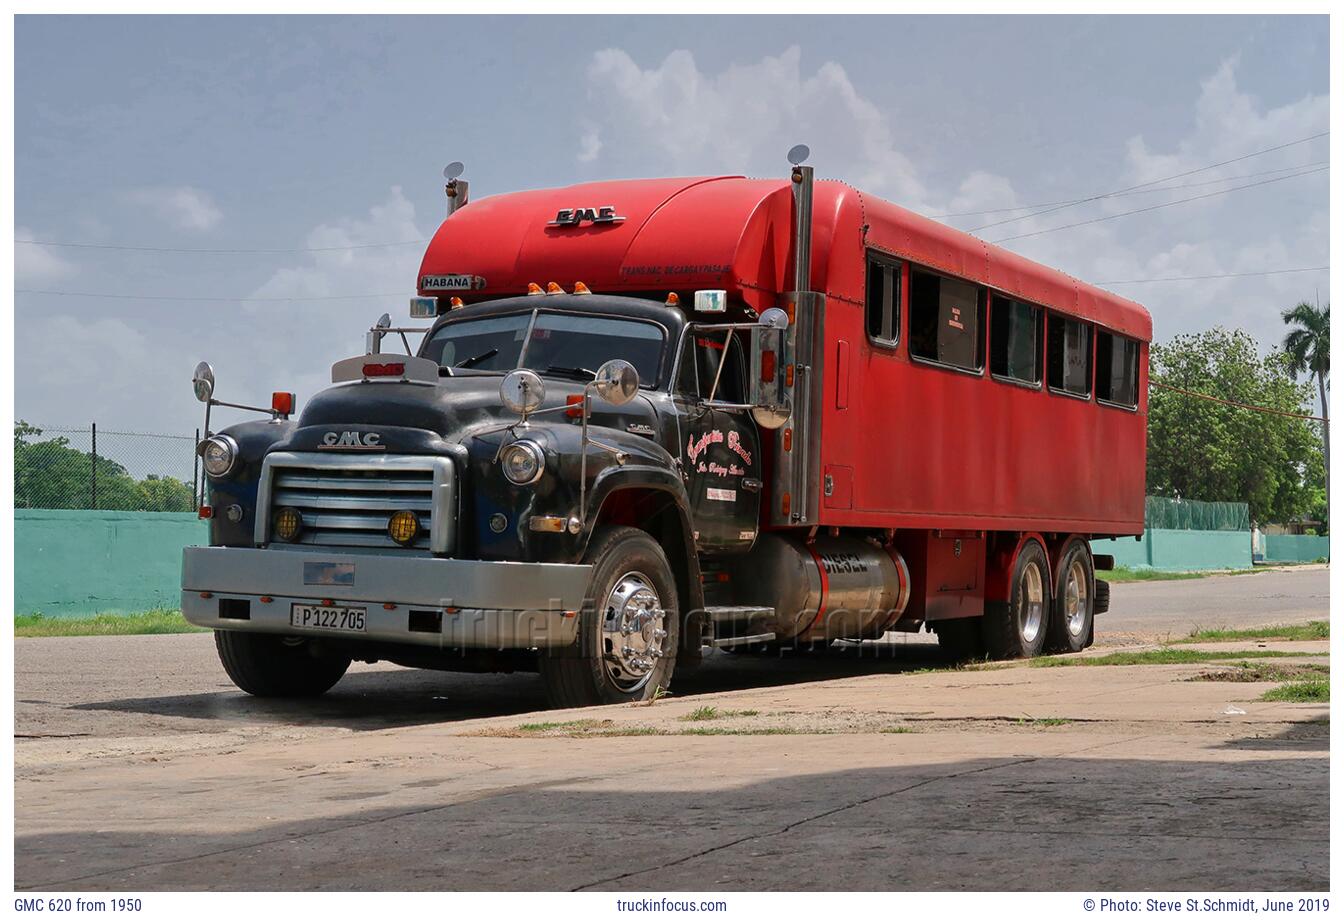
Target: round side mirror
column 774, row 318
column 203, row 382
column 384, row 321
column 771, row 417
column 522, row 391
column 617, row 381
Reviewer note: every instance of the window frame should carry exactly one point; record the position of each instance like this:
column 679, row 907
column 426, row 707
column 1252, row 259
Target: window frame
column 892, row 267
column 1042, row 316
column 1091, row 356
column 1138, row 347
column 982, row 298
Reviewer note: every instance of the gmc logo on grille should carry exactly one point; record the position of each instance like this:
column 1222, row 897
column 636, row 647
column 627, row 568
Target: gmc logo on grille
column 352, row 440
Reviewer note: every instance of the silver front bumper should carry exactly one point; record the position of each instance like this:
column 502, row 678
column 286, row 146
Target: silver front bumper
column 483, row 604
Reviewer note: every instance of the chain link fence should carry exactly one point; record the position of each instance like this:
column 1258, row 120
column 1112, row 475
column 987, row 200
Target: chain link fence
column 1179, row 514
column 93, row 468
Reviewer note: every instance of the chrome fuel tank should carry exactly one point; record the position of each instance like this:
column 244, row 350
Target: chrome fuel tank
column 829, row 588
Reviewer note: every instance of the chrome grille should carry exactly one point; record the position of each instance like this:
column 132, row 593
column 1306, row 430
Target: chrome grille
column 346, row 501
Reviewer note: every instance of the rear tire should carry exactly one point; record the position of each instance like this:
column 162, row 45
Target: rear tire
column 629, row 626
column 1071, row 619
column 269, row 665
column 1018, row 629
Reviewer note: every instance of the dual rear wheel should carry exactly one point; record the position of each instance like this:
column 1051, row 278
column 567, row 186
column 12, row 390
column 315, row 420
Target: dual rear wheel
column 1038, row 616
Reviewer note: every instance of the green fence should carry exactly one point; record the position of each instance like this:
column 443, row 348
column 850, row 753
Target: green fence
column 1180, row 550
column 78, row 563
column 1295, row 548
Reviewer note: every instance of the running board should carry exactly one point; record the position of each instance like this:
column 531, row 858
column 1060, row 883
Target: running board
column 739, row 614
column 732, row 641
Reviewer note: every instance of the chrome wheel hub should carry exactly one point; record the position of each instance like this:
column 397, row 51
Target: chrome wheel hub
column 633, row 631
column 1031, row 603
column 1075, row 599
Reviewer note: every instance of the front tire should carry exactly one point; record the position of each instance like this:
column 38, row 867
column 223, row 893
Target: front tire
column 1071, row 620
column 1018, row 628
column 629, row 626
column 268, row 665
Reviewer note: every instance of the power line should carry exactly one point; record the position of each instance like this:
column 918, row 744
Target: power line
column 1144, row 191
column 220, row 251
column 1277, row 271
column 1239, row 405
column 195, row 299
column 1189, row 172
column 1156, row 207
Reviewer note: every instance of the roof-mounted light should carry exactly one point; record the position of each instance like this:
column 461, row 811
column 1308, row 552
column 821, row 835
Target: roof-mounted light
column 533, row 288
column 553, row 288
column 581, row 288
column 672, row 299
column 455, row 303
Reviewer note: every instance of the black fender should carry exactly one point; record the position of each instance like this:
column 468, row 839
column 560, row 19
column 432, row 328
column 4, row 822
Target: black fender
column 671, row 526
column 255, row 439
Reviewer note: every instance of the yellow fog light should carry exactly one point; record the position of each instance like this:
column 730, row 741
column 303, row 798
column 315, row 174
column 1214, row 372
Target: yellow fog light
column 288, row 522
column 403, row 527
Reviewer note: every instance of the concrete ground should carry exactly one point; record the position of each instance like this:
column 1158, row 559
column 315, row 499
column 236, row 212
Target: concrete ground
column 139, row 767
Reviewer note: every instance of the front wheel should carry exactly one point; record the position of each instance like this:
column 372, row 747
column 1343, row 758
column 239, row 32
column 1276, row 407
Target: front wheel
column 628, row 627
column 267, row 665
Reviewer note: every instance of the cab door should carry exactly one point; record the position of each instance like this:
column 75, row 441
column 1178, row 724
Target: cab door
column 719, row 447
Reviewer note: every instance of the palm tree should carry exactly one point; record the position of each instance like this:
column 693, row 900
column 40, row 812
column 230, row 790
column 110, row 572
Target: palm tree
column 1308, row 346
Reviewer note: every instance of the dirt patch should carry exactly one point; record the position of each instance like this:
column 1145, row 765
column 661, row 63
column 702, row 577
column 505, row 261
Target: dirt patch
column 1247, row 672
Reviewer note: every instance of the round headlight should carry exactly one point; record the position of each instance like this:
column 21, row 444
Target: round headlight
column 287, row 523
column 219, row 455
column 403, row 527
column 522, row 462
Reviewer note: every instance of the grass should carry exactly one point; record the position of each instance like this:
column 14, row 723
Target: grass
column 151, row 622
column 1303, row 691
column 1159, row 656
column 1044, row 723
column 708, row 713
column 1316, row 629
column 1125, row 573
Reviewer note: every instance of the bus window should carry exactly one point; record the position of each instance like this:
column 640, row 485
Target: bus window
column 945, row 319
column 1015, row 340
column 1070, row 356
column 1117, row 370
column 883, row 309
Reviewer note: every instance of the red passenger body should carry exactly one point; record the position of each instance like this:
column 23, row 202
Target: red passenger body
column 904, row 443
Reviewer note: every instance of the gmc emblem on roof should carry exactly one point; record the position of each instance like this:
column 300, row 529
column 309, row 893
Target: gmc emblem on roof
column 572, row 217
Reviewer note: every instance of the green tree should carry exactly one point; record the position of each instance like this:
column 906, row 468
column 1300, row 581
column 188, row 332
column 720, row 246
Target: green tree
column 1206, row 450
column 49, row 473
column 1308, row 346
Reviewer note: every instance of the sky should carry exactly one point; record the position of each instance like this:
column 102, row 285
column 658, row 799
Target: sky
column 300, row 133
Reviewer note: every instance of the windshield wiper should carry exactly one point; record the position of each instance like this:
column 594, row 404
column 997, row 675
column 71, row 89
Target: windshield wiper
column 477, row 359
column 581, row 372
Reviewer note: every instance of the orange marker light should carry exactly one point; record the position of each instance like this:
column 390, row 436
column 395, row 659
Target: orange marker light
column 553, row 288
column 581, row 288
column 533, row 288
column 205, row 512
column 788, row 439
column 672, row 299
column 785, row 503
column 574, row 402
column 767, row 366
column 282, row 403
column 788, row 375
column 455, row 303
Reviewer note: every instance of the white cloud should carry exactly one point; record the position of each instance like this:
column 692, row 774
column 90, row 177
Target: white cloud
column 677, row 118
column 37, row 263
column 182, row 207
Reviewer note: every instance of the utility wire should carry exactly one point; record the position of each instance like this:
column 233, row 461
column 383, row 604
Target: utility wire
column 1143, row 191
column 1278, row 271
column 1189, row 172
column 1156, row 207
column 194, row 299
column 220, row 251
column 1239, row 405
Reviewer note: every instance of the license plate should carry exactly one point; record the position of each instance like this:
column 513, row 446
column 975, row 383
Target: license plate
column 335, row 619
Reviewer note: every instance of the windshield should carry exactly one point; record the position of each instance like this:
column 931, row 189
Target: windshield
column 563, row 344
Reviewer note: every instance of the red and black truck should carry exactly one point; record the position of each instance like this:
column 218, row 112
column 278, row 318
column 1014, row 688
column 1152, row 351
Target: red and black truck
column 652, row 417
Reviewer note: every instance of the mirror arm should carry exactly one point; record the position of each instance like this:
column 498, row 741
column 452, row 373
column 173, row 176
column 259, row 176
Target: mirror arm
column 727, row 343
